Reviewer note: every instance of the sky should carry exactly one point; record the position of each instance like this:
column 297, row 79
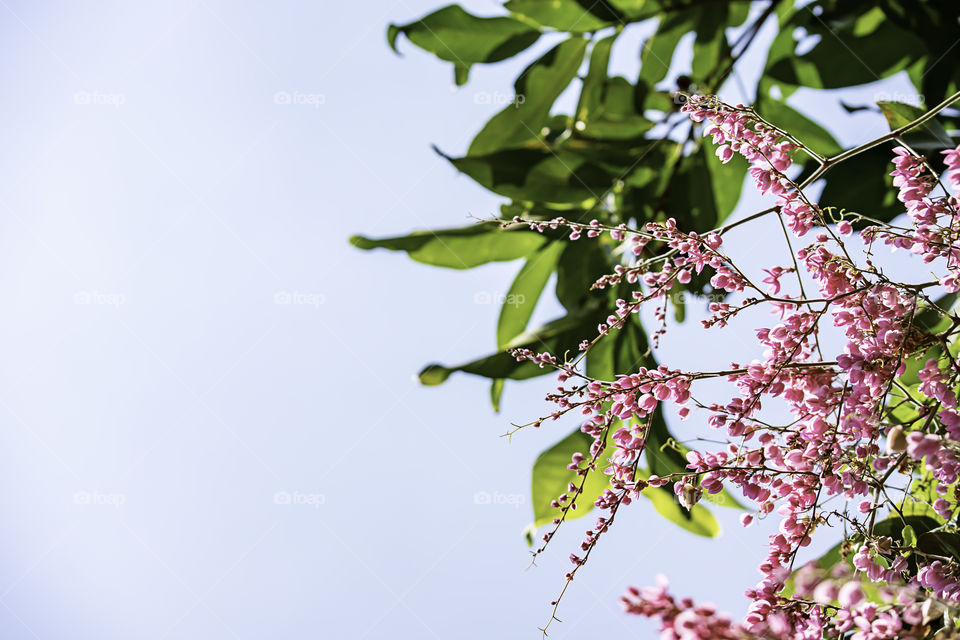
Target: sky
column 209, row 421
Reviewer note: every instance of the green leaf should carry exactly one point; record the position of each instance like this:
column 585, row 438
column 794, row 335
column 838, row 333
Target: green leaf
column 666, row 456
column 657, row 53
column 929, row 136
column 538, row 175
column 927, row 531
column 496, row 392
column 698, row 520
column 600, row 360
column 616, row 117
column 558, row 337
column 591, row 94
column 568, row 15
column 856, row 46
column 863, row 184
column 537, row 88
column 923, row 493
column 726, row 181
column 909, row 536
column 459, row 37
column 702, row 191
column 710, row 46
column 581, row 264
column 799, row 126
column 462, row 248
column 521, row 300
column 551, row 478
column 630, row 349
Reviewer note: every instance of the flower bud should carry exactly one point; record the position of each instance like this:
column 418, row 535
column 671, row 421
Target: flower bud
column 931, row 610
column 884, row 544
column 896, row 440
column 690, row 495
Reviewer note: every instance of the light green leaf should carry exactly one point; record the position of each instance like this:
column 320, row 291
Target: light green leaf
column 600, row 360
column 726, row 180
column 930, row 136
column 521, row 300
column 551, row 478
column 666, row 456
column 459, row 37
column 591, row 94
column 462, row 248
column 567, row 15
column 710, row 46
column 909, row 536
column 616, row 117
column 537, row 88
column 698, row 520
column 657, row 53
column 496, row 392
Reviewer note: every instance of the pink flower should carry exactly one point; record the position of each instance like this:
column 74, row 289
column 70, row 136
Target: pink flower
column 850, row 595
column 920, row 445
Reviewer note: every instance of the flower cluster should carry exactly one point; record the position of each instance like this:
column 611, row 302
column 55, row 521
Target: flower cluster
column 874, row 440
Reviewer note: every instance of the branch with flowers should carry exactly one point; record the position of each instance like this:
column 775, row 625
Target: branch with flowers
column 873, row 445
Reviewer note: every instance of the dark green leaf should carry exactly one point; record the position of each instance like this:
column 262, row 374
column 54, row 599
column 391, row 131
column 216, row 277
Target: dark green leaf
column 855, row 46
column 582, row 263
column 862, row 184
column 537, row 175
column 702, row 191
column 665, row 456
column 662, row 452
column 798, row 125
column 561, row 336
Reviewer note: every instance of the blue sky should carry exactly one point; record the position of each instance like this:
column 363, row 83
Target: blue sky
column 209, row 426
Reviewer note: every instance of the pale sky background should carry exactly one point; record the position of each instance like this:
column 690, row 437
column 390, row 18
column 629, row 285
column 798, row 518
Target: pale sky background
column 187, row 335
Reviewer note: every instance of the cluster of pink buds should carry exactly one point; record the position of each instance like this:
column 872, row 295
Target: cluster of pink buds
column 857, row 431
